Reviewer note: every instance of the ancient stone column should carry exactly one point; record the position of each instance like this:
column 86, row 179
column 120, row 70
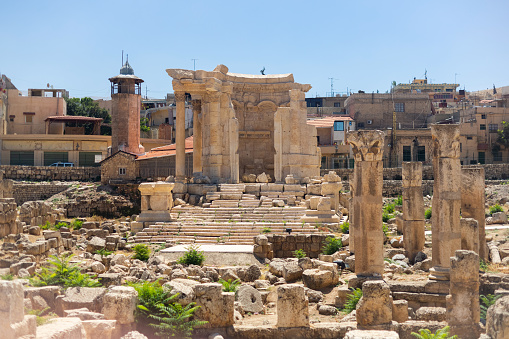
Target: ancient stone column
column 180, row 136
column 367, row 148
column 375, row 307
column 469, row 234
column 413, row 209
column 292, row 306
column 463, row 312
column 446, row 203
column 197, row 138
column 472, row 203
column 351, row 217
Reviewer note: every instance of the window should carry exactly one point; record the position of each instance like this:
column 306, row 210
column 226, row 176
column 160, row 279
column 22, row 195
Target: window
column 483, row 116
column 339, row 125
column 421, row 153
column 482, row 127
column 11, row 117
column 22, row 158
column 407, row 153
column 493, row 128
column 121, row 171
column 469, row 138
column 360, row 125
column 461, row 147
column 448, row 89
column 497, row 156
column 337, row 104
column 28, row 117
column 399, row 107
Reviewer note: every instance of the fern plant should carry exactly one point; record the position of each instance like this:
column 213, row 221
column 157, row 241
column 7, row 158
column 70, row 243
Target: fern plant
column 352, row 299
column 486, row 301
column 229, row 285
column 442, row 333
column 150, row 295
column 175, row 320
column 62, row 272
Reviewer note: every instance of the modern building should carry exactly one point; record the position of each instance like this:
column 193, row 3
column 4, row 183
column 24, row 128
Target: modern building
column 326, row 106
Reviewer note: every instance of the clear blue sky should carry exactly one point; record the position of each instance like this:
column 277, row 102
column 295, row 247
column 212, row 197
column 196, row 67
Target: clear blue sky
column 361, row 44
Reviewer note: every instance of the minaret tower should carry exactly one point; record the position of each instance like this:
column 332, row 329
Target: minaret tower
column 125, row 111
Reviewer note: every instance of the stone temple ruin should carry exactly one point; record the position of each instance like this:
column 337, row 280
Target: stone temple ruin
column 270, row 235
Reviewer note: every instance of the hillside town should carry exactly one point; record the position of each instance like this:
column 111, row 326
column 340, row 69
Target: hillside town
column 240, row 206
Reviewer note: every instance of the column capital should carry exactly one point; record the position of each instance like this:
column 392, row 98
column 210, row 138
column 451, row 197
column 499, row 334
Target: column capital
column 212, row 96
column 446, row 141
column 180, row 96
column 367, row 145
column 196, row 103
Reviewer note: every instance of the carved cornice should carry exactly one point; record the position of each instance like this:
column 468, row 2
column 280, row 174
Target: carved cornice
column 367, row 145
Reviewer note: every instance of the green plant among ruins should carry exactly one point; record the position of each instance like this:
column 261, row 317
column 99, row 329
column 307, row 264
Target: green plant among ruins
column 192, row 256
column 7, row 276
column 495, row 208
column 332, row 245
column 427, row 213
column 386, row 216
column 442, row 333
column 399, row 201
column 299, row 253
column 266, row 230
column 345, row 227
column 103, row 252
column 385, row 229
column 60, row 224
column 141, row 252
column 485, row 302
column 229, row 285
column 483, row 265
column 76, row 224
column 351, row 300
column 389, row 208
column 160, row 247
column 150, row 294
column 40, row 317
column 46, row 226
column 61, row 272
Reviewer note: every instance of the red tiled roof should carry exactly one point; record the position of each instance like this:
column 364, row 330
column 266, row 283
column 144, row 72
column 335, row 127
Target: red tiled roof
column 188, row 145
column 167, row 150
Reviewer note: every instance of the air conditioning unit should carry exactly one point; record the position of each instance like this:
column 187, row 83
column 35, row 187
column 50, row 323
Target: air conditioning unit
column 369, row 122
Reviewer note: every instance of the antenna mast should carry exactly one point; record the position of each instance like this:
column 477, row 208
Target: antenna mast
column 122, row 57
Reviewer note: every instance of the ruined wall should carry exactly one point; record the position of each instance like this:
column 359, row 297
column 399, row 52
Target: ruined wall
column 283, row 245
column 43, row 173
column 23, row 192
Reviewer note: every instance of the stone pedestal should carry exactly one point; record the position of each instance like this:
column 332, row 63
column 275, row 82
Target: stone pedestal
column 375, row 307
column 472, row 203
column 469, row 234
column 367, row 148
column 463, row 312
column 156, row 203
column 446, row 234
column 292, row 306
column 216, row 306
column 13, row 322
column 413, row 209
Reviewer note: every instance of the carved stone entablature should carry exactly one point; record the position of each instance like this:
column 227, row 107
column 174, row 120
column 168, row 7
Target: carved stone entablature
column 446, row 141
column 179, row 74
column 367, row 145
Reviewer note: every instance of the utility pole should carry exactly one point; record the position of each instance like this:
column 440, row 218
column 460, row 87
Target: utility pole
column 332, row 86
column 194, row 64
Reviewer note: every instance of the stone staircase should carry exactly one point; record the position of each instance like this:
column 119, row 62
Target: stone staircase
column 233, row 216
column 230, row 225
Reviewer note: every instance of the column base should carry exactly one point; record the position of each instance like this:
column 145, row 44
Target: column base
column 439, row 273
column 360, row 279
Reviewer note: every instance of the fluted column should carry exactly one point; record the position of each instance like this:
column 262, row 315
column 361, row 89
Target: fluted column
column 367, row 147
column 197, row 137
column 445, row 220
column 180, row 137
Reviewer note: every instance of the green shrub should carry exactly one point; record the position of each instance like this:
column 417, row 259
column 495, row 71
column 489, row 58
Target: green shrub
column 427, row 213
column 46, row 226
column 332, row 245
column 352, row 299
column 442, row 333
column 60, row 225
column 141, row 252
column 389, row 208
column 496, row 208
column 192, row 256
column 486, row 301
column 266, row 230
column 386, row 216
column 345, row 227
column 76, row 224
column 483, row 265
column 62, row 273
column 399, row 200
column 230, row 286
column 150, row 294
column 385, row 229
column 299, row 253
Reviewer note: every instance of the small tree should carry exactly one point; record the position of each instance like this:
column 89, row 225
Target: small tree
column 141, row 252
column 332, row 245
column 192, row 256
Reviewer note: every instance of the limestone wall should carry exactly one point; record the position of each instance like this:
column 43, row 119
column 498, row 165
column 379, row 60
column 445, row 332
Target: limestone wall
column 283, row 245
column 43, row 173
column 23, row 192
